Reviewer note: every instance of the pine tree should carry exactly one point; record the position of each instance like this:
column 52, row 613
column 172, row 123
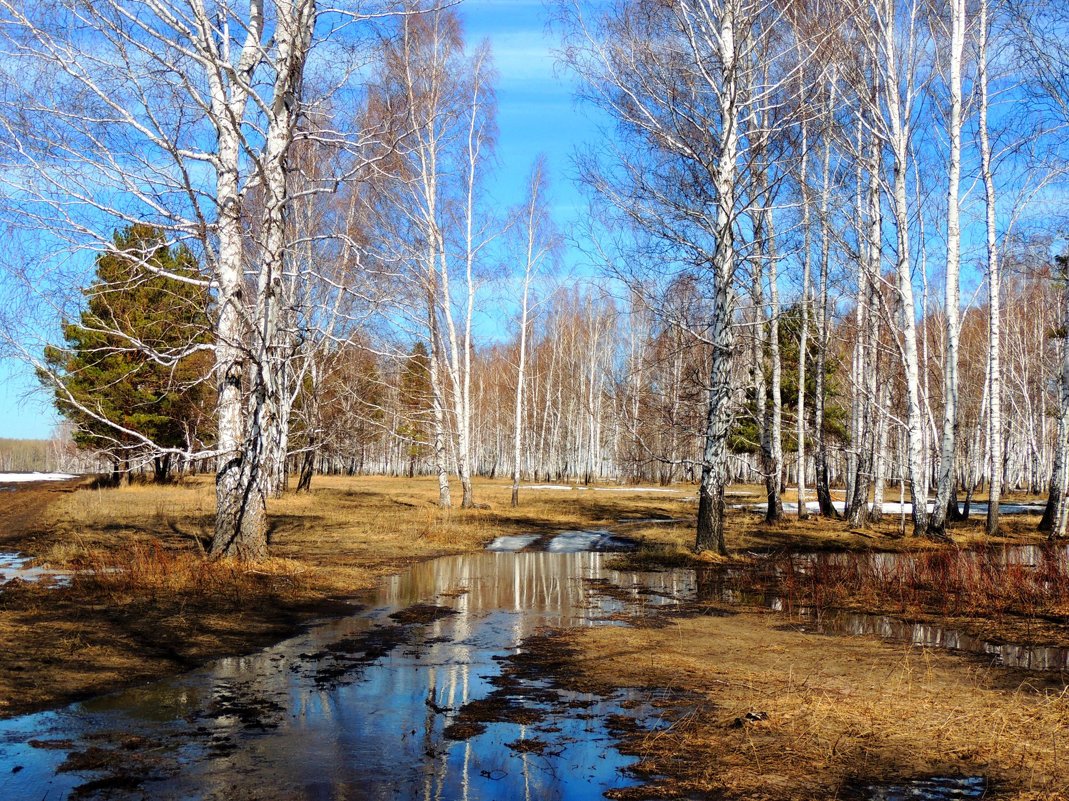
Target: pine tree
column 104, row 382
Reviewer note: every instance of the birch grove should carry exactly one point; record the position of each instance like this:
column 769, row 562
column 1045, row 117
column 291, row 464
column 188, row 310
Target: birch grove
column 822, row 249
column 177, row 113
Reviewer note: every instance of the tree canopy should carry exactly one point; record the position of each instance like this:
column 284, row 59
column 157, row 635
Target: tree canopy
column 124, row 403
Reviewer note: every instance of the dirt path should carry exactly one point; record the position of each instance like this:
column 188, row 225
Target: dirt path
column 23, row 510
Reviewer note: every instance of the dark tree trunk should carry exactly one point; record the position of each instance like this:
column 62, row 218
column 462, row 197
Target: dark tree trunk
column 954, row 514
column 161, row 469
column 966, row 509
column 307, row 469
column 1046, row 523
column 711, row 514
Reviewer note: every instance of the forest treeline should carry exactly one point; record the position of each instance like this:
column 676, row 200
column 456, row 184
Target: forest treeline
column 822, row 249
column 613, row 396
column 56, row 455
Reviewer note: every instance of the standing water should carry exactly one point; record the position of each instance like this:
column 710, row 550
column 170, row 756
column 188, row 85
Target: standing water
column 364, row 707
column 415, row 696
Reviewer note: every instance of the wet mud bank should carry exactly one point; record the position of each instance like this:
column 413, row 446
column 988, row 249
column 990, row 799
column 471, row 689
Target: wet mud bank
column 440, row 686
column 535, row 669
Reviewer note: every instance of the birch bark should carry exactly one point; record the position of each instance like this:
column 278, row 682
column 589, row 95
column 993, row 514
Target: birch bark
column 994, row 283
column 952, row 298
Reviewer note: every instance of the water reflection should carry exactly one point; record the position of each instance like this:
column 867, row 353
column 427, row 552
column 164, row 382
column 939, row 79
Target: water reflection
column 314, row 719
column 763, row 586
column 357, row 708
column 935, row 788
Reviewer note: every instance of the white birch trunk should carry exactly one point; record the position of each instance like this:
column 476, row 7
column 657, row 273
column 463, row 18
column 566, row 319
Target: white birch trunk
column 948, row 450
column 899, row 119
column 775, row 467
column 521, row 373
column 803, row 336
column 710, row 527
column 827, row 508
column 994, row 283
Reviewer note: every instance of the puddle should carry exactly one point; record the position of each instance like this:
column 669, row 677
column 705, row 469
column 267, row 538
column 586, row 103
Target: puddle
column 16, row 566
column 419, row 694
column 928, row 635
column 358, row 708
column 883, row 563
column 739, row 587
column 935, row 788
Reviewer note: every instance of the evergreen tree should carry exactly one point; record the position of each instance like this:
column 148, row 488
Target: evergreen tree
column 744, row 437
column 102, row 378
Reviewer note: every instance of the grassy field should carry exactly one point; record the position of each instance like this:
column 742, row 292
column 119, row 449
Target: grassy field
column 824, row 711
column 144, row 602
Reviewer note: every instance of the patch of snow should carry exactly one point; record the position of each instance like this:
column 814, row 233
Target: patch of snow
column 19, row 478
column 16, row 566
column 580, row 541
column 635, row 489
column 546, row 487
column 896, row 508
column 512, row 543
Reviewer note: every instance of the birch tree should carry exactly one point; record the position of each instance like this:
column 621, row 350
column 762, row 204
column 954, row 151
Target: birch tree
column 893, row 39
column 538, row 243
column 433, row 226
column 172, row 113
column 994, row 281
column 823, row 312
column 947, row 475
column 680, row 81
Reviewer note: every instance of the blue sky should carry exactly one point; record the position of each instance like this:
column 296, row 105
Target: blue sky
column 536, row 111
column 536, row 114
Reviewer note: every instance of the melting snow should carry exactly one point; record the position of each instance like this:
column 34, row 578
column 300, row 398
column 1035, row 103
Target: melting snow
column 19, row 478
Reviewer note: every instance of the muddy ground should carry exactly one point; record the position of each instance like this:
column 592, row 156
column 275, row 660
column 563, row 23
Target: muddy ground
column 63, row 643
column 144, row 603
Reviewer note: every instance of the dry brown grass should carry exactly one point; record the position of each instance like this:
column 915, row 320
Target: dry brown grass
column 145, row 601
column 947, row 582
column 151, row 604
column 344, row 535
column 837, row 708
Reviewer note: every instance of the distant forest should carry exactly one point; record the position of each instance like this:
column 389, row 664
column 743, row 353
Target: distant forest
column 56, row 455
column 27, row 455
